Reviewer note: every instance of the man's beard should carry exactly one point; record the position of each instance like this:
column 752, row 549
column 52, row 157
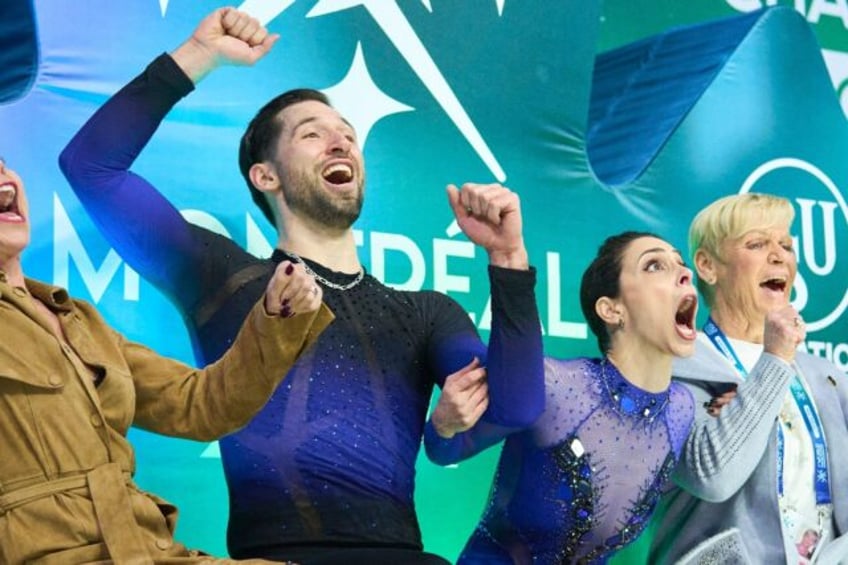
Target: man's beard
column 309, row 199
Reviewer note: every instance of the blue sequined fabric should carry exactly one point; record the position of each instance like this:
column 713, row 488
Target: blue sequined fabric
column 584, row 480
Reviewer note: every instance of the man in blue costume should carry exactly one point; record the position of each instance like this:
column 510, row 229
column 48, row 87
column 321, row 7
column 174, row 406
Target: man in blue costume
column 325, row 473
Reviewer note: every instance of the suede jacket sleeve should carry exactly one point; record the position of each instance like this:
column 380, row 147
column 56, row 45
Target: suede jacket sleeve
column 204, row 404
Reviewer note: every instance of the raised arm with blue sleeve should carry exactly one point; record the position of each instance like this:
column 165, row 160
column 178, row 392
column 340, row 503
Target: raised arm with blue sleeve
column 331, row 458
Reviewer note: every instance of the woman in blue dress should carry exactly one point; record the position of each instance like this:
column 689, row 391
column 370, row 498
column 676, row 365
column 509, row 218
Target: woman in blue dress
column 583, row 480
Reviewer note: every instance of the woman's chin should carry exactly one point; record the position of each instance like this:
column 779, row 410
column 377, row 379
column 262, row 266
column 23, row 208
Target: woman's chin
column 684, row 348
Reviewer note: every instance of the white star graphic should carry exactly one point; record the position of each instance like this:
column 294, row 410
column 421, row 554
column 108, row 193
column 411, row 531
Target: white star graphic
column 163, row 7
column 390, row 18
column 357, row 86
column 401, row 33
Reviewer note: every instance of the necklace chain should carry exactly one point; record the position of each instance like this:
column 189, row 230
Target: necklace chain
column 648, row 412
column 329, row 284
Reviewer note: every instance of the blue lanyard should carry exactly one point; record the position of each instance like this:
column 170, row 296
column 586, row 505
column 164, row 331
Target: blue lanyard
column 724, row 346
column 821, row 475
column 821, row 478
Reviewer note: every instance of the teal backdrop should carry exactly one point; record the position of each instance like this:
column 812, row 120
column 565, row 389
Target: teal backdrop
column 603, row 116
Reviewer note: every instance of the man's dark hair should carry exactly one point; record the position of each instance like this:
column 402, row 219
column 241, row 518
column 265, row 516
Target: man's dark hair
column 259, row 142
column 602, row 278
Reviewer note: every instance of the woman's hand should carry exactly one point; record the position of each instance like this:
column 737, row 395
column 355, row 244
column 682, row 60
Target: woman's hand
column 784, row 332
column 292, row 291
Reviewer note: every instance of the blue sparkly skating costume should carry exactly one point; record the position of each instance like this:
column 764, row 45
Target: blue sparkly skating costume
column 330, row 460
column 584, row 479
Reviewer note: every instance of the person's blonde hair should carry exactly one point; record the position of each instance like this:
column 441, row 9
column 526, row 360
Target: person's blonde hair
column 731, row 217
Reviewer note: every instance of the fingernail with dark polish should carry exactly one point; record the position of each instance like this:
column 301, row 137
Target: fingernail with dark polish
column 285, row 301
column 289, row 269
column 286, row 312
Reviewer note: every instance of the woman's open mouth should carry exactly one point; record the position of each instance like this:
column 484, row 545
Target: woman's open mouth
column 684, row 318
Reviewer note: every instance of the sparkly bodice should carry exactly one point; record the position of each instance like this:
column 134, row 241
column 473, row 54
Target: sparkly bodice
column 333, row 451
column 584, row 480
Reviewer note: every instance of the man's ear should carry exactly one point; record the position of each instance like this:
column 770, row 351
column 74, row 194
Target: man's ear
column 609, row 311
column 264, row 177
column 705, row 265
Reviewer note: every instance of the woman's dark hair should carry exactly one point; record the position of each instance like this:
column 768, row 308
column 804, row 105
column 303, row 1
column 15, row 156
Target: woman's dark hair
column 602, row 278
column 259, row 142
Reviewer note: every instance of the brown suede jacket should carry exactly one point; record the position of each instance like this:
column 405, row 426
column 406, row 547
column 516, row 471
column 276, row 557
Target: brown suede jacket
column 66, row 489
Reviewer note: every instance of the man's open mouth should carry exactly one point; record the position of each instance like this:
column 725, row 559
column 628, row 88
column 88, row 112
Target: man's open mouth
column 338, row 173
column 9, row 199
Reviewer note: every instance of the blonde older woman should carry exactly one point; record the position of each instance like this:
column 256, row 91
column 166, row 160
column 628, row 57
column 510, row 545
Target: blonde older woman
column 771, row 464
